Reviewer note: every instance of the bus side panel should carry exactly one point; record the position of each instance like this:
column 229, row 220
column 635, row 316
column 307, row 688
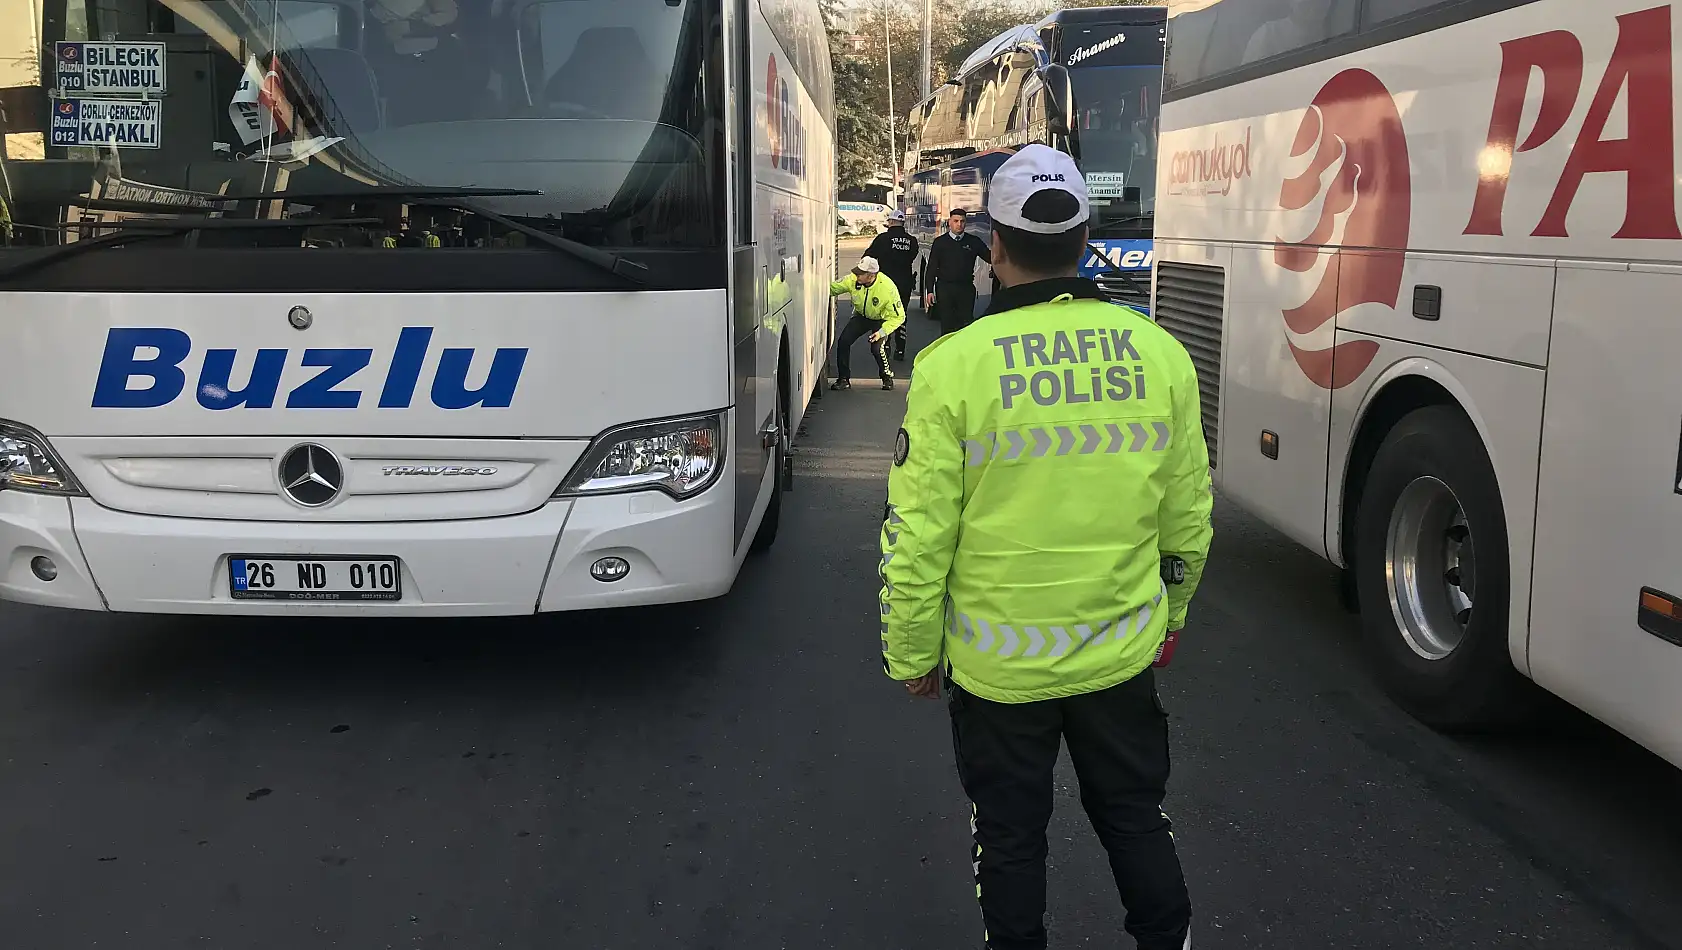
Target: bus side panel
column 812, row 352
column 793, row 241
column 794, row 175
column 758, row 276
column 1609, row 507
column 1488, row 306
column 1263, row 389
column 1504, row 403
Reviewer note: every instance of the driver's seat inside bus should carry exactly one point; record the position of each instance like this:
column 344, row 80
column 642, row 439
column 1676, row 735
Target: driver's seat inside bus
column 608, row 73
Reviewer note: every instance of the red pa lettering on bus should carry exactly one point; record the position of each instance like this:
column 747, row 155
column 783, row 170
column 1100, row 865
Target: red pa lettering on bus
column 1640, row 71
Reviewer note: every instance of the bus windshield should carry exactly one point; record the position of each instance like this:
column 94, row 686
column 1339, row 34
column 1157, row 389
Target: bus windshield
column 593, row 120
column 1116, row 111
column 1116, row 74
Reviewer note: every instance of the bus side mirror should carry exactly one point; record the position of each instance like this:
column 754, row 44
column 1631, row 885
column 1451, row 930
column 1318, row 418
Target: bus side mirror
column 1060, row 107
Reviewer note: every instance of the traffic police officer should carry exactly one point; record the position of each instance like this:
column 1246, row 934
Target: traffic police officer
column 1047, row 525
column 878, row 310
column 897, row 251
column 949, row 280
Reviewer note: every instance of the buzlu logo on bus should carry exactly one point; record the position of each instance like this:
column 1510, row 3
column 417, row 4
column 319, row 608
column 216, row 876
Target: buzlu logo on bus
column 1353, row 124
column 153, row 356
column 782, row 123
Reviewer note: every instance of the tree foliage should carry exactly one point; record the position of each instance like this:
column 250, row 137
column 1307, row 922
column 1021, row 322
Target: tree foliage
column 861, row 75
column 861, row 134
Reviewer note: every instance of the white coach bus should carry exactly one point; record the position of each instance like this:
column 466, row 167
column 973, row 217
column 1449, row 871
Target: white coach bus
column 1427, row 258
column 458, row 307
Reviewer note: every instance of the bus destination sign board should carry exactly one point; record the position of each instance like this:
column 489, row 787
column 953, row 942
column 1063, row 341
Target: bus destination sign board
column 111, row 122
column 111, row 68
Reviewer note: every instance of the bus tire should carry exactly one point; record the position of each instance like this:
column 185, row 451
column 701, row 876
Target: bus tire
column 1432, row 575
column 767, row 533
column 1348, row 593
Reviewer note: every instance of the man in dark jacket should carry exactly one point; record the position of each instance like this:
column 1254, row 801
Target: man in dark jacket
column 896, row 251
column 949, row 285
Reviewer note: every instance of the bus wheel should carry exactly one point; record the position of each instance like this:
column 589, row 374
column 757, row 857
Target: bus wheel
column 767, row 533
column 1348, row 594
column 1432, row 575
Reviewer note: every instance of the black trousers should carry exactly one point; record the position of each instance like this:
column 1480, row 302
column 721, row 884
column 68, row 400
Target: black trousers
column 1118, row 742
column 859, row 326
column 954, row 304
column 903, row 334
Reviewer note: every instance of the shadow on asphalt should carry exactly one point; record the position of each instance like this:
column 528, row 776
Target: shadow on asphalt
column 564, row 659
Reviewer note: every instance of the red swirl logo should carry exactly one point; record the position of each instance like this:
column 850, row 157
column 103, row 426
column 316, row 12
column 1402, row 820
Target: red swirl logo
column 1355, row 134
column 773, row 126
column 785, row 131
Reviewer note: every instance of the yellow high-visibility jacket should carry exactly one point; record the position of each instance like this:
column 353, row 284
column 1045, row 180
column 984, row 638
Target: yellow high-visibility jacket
column 880, row 301
column 1052, row 455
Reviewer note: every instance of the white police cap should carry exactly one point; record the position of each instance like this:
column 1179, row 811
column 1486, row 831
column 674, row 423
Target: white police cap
column 1039, row 190
column 896, row 216
column 868, row 265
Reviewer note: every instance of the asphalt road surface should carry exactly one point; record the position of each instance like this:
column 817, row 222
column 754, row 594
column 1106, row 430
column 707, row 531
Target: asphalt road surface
column 739, row 774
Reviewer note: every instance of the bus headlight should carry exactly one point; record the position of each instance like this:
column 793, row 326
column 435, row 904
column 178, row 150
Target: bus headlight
column 680, row 457
column 27, row 463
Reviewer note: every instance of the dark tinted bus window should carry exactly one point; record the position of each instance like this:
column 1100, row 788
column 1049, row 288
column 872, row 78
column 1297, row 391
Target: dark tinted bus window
column 970, row 104
column 945, row 125
column 1231, row 34
column 800, row 31
column 1381, row 11
column 1000, row 95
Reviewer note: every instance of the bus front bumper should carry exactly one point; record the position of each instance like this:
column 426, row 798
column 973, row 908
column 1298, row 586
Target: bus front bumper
column 101, row 559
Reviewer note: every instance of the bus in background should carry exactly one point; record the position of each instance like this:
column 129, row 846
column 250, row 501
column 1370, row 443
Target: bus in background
column 863, row 217
column 316, row 310
column 1425, row 256
column 881, row 189
column 1086, row 81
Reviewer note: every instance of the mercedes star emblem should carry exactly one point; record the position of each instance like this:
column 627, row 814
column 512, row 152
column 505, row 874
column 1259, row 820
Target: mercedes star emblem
column 311, row 475
column 300, row 318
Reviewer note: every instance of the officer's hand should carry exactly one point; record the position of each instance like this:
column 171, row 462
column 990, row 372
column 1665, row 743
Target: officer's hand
column 926, row 686
column 876, row 337
column 928, row 301
column 1165, row 653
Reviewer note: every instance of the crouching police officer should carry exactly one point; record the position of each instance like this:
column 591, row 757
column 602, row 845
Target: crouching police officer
column 1047, row 525
column 877, row 312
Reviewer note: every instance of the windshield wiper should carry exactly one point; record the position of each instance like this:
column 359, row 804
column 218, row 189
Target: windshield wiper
column 630, row 271
column 458, row 199
column 131, row 231
column 1147, row 217
column 1114, row 270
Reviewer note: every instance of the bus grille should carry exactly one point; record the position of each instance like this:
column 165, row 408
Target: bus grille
column 1129, row 290
column 1189, row 301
